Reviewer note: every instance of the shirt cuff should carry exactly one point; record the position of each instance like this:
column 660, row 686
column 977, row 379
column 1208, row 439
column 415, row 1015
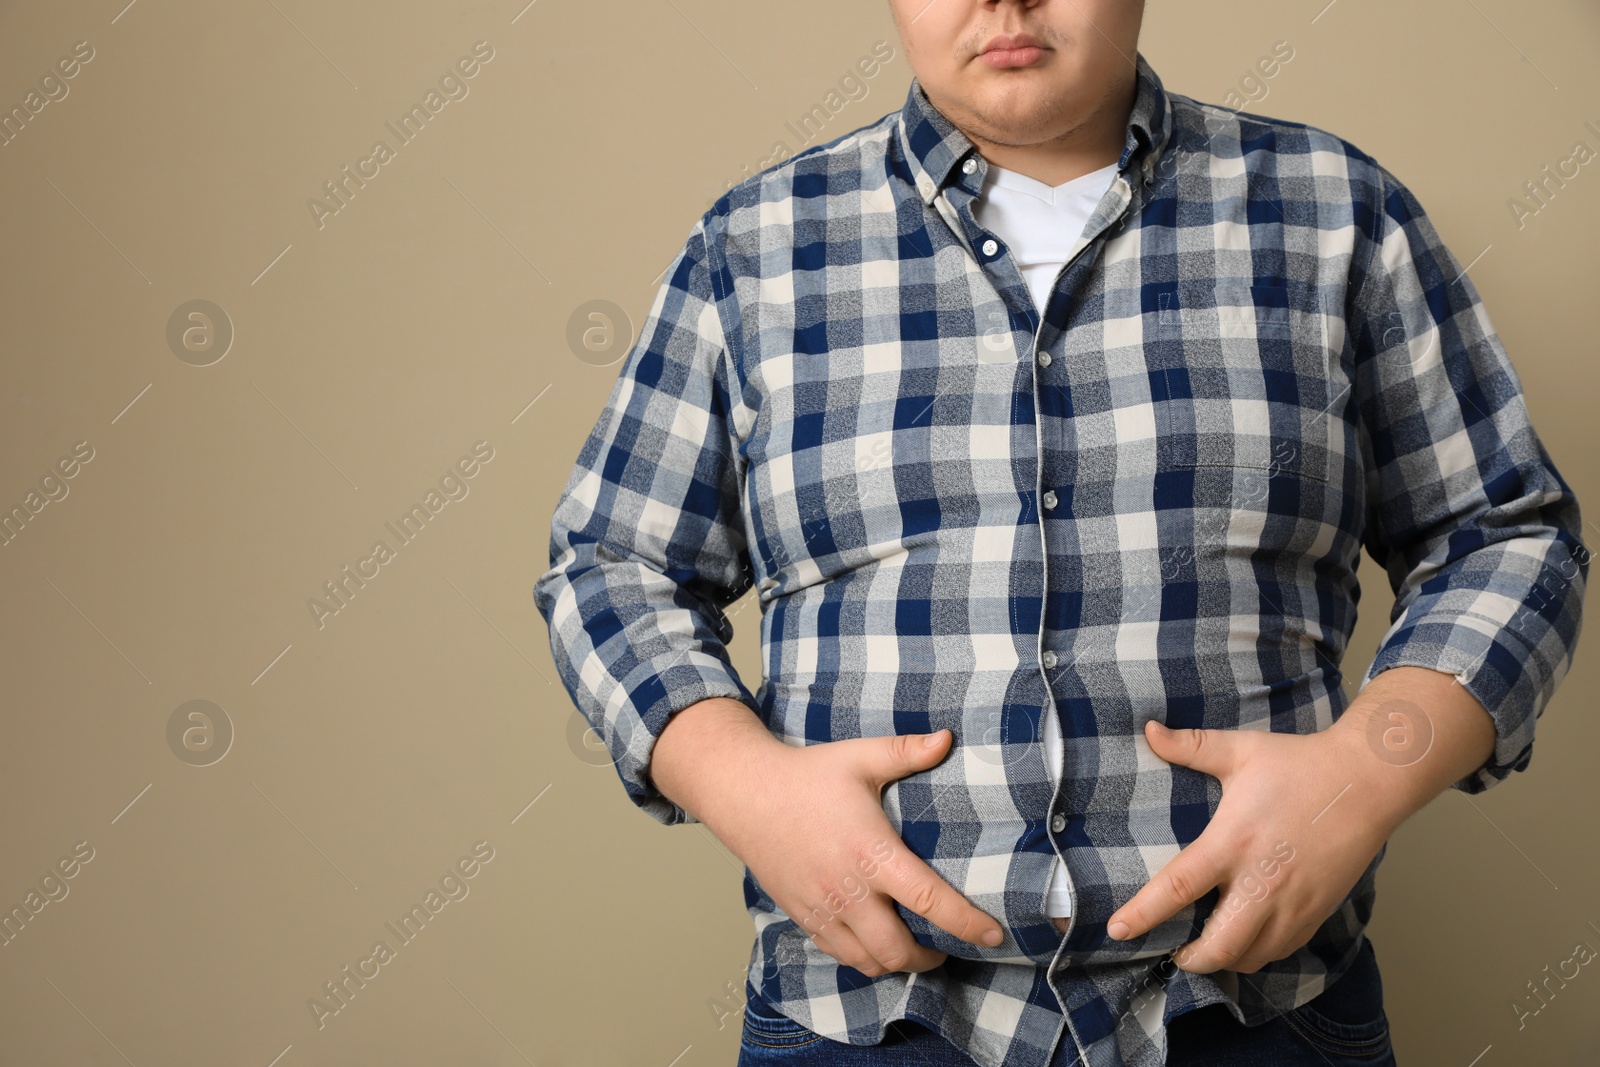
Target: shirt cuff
column 659, row 694
column 1508, row 657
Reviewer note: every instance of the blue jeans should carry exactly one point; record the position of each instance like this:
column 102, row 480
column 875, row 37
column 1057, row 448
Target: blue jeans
column 1345, row 1026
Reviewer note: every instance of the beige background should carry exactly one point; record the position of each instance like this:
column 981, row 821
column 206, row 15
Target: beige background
column 428, row 314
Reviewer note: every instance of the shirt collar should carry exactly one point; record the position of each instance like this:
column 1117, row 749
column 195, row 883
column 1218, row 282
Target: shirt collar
column 935, row 148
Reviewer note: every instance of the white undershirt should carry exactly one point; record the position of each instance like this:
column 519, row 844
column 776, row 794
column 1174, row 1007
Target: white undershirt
column 1040, row 224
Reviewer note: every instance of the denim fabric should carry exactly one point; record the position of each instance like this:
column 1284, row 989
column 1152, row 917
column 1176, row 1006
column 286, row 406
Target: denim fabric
column 1345, row 1026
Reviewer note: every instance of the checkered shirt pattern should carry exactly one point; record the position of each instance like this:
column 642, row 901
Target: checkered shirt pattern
column 1146, row 500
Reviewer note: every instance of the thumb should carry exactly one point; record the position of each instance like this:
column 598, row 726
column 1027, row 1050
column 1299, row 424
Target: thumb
column 885, row 759
column 1211, row 751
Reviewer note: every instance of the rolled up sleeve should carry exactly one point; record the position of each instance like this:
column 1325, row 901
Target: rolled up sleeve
column 1479, row 534
column 647, row 542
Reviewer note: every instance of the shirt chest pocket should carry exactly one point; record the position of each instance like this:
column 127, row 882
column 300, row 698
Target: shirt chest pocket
column 1244, row 376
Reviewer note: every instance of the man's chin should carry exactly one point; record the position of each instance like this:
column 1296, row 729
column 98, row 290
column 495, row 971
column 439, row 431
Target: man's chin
column 1011, row 129
column 1020, row 106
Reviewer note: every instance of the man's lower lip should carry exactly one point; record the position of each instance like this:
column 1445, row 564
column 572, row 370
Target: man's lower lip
column 1013, row 57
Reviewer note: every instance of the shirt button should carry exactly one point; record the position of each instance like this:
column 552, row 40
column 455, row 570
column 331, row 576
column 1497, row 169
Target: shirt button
column 1044, row 359
column 1058, row 823
column 1049, row 660
column 990, row 247
column 969, row 166
column 1049, row 500
column 926, row 185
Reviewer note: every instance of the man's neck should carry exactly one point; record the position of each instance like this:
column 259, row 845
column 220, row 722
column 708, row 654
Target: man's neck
column 1095, row 143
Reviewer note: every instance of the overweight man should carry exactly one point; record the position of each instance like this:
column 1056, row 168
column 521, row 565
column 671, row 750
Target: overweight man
column 1048, row 417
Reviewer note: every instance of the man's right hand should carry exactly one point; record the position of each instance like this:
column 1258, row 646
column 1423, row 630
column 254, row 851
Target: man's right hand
column 809, row 823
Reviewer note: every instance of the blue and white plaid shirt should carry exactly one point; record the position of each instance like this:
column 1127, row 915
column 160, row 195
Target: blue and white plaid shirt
column 1147, row 502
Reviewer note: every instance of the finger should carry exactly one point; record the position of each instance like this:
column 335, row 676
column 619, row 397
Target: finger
column 1292, row 942
column 886, row 936
column 1229, row 932
column 1269, row 946
column 840, row 942
column 881, row 760
column 906, row 878
column 1185, row 879
column 1211, row 751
